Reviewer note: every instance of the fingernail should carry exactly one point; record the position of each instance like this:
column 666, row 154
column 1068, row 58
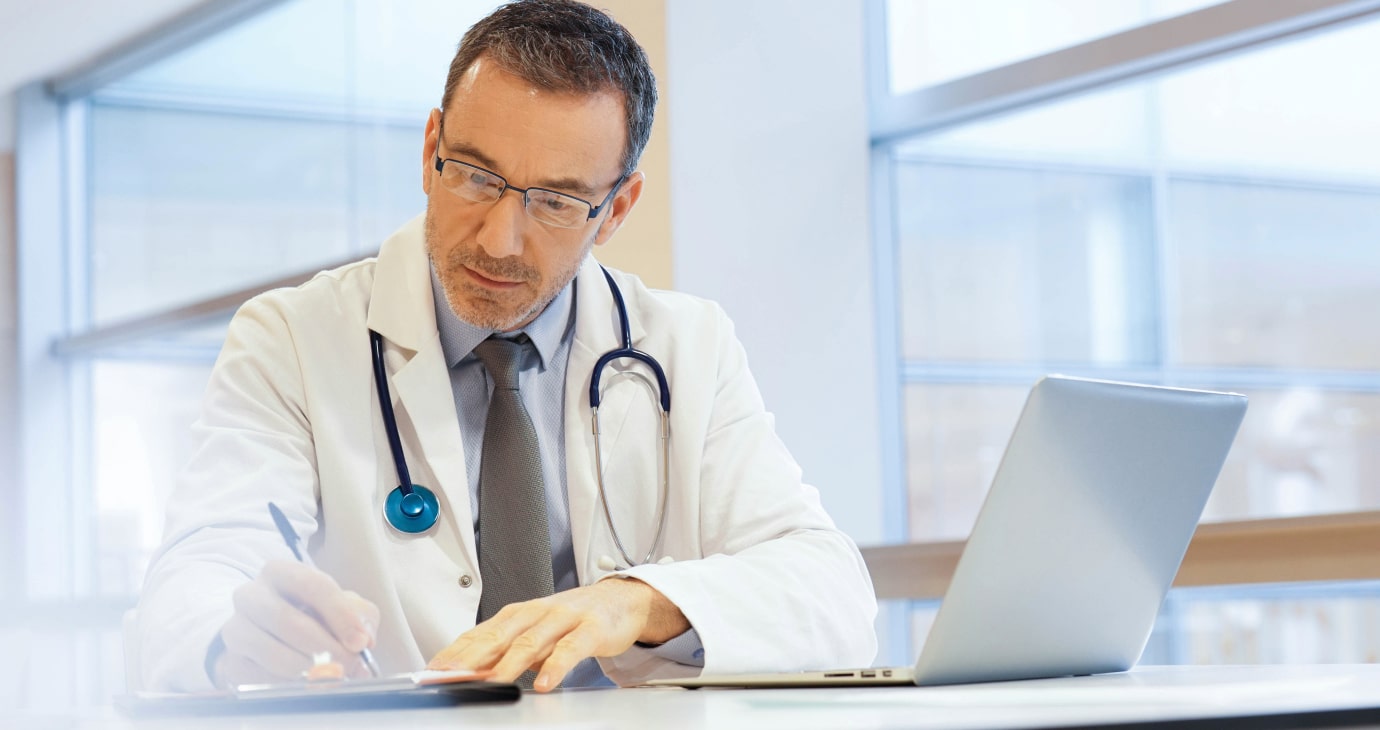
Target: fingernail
column 358, row 642
column 543, row 682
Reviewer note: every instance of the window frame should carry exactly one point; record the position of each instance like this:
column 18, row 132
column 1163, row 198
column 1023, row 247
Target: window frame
column 55, row 573
column 1322, row 547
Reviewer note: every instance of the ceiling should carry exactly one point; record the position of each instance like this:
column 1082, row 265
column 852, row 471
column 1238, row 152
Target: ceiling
column 40, row 39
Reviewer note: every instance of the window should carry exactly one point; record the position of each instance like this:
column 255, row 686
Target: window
column 260, row 151
column 1185, row 219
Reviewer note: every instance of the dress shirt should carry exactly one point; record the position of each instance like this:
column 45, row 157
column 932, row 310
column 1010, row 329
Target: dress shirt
column 541, row 383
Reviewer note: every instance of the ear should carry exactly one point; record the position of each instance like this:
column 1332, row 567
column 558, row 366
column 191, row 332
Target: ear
column 620, row 206
column 429, row 142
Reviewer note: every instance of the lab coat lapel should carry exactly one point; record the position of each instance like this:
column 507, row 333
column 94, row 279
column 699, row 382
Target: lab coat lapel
column 597, row 331
column 401, row 309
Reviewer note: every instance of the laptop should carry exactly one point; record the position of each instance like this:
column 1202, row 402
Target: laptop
column 1088, row 517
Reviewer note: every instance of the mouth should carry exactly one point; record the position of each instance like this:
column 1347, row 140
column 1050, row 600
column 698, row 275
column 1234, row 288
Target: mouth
column 490, row 283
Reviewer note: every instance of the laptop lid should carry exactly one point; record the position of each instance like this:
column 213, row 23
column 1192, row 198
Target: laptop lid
column 1082, row 532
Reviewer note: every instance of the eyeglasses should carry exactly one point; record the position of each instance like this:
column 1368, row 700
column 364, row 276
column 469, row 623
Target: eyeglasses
column 478, row 185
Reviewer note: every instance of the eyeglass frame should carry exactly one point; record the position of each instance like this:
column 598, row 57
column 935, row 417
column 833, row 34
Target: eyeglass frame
column 440, row 163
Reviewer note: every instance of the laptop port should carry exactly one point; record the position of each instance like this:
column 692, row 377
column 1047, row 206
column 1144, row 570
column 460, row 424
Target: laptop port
column 831, row 675
column 886, row 672
column 868, row 673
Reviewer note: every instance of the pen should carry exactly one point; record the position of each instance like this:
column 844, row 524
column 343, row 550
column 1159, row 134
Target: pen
column 299, row 550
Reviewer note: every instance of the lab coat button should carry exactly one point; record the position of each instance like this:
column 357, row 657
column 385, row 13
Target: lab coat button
column 465, row 581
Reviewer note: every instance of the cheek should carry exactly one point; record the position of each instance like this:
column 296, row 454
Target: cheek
column 453, row 224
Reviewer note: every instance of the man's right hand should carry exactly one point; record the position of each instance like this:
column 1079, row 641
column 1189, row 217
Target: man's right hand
column 288, row 613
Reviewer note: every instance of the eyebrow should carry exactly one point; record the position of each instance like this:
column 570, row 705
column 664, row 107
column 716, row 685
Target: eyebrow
column 569, row 184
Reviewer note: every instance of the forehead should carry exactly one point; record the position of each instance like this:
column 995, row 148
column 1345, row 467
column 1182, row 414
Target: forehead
column 526, row 129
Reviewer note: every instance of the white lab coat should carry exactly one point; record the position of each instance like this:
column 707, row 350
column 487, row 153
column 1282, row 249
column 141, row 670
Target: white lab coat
column 291, row 415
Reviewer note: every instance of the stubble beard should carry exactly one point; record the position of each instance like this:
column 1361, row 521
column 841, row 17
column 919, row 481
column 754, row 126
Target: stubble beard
column 495, row 311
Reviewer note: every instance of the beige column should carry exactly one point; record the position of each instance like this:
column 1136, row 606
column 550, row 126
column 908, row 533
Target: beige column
column 9, row 434
column 643, row 246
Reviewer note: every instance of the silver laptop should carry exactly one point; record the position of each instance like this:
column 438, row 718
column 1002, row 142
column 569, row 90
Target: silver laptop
column 1078, row 541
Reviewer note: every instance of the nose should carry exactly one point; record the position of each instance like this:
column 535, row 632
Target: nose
column 500, row 235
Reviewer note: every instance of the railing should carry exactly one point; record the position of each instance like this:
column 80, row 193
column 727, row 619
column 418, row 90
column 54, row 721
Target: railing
column 1283, row 550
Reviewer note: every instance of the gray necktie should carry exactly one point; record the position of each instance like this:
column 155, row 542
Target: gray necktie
column 514, row 545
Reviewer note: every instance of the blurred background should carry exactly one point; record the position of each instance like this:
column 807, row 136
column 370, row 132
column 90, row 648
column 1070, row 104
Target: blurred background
column 912, row 209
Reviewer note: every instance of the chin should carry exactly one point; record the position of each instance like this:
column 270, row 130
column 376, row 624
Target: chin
column 487, row 315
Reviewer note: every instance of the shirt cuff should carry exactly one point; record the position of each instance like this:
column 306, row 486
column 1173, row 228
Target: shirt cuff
column 684, row 649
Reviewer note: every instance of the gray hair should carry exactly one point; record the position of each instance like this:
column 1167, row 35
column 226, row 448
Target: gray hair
column 565, row 46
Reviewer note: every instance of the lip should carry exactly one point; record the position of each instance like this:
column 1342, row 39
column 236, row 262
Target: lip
column 485, row 281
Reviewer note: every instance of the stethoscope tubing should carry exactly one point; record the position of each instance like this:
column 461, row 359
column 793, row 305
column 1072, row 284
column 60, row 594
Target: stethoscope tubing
column 626, row 351
column 390, row 422
column 409, row 514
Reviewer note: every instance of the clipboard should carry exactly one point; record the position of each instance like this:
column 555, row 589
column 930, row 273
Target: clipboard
column 415, row 689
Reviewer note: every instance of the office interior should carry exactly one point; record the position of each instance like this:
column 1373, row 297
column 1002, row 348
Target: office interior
column 911, row 209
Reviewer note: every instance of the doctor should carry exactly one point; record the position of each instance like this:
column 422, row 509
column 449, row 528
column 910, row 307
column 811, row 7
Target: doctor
column 491, row 318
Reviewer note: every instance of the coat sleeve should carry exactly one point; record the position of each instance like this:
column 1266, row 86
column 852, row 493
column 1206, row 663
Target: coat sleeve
column 252, row 444
column 779, row 588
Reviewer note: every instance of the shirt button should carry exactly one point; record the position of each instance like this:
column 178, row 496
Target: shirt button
column 465, row 581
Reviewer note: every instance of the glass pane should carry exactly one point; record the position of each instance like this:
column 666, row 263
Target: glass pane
column 930, row 41
column 955, row 437
column 1301, row 451
column 141, row 417
column 1303, row 624
column 1274, row 276
column 292, row 53
column 1288, row 112
column 188, row 205
column 1298, row 624
column 288, row 142
column 1008, row 265
column 1293, row 110
column 366, row 56
column 1107, row 129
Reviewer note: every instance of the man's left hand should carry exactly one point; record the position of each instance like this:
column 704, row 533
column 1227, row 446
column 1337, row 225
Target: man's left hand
column 553, row 634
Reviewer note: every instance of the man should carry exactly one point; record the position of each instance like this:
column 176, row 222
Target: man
column 491, row 317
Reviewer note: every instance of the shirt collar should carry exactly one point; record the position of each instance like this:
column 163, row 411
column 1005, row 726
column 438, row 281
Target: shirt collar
column 459, row 338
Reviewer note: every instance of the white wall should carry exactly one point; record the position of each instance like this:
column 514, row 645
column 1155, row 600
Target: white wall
column 769, row 196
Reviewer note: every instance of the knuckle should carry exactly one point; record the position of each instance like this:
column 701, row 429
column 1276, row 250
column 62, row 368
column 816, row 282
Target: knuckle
column 488, row 636
column 568, row 614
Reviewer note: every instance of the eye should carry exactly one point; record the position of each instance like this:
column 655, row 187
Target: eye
column 554, row 204
column 480, row 179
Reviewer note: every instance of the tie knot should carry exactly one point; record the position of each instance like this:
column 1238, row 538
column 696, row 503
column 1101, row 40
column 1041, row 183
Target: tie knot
column 502, row 357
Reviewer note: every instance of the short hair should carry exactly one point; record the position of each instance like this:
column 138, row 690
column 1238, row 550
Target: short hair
column 565, row 46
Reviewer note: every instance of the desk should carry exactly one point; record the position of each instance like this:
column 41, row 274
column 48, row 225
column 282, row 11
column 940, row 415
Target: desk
column 1296, row 696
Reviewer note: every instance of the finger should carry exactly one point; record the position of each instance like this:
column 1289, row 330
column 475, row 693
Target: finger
column 573, row 648
column 534, row 645
column 244, row 639
column 265, row 608
column 321, row 595
column 484, row 645
column 367, row 612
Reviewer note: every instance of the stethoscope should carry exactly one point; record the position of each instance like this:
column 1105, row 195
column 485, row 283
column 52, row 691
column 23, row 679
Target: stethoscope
column 412, row 508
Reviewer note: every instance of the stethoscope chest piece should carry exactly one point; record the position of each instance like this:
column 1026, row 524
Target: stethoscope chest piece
column 413, row 512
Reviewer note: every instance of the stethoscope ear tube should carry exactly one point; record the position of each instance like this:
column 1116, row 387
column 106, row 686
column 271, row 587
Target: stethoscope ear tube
column 663, row 391
column 410, row 508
